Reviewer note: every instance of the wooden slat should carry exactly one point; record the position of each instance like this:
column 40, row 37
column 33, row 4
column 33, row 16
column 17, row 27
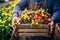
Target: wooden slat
column 29, row 26
column 29, row 30
column 58, row 28
column 58, row 24
column 33, row 34
column 33, row 30
column 57, row 31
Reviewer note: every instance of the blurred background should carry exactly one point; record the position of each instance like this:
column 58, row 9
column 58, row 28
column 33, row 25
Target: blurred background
column 6, row 7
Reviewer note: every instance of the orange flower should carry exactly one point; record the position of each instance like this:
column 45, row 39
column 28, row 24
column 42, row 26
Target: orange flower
column 22, row 17
column 30, row 16
column 39, row 18
column 35, row 17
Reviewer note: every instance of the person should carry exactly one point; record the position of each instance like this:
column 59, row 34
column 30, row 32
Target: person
column 52, row 5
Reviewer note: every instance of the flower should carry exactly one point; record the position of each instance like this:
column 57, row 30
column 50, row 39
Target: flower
column 22, row 18
column 30, row 16
column 37, row 23
column 32, row 21
column 34, row 17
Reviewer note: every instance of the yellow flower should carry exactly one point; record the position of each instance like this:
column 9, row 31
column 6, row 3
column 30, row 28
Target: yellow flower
column 37, row 23
column 0, row 10
column 38, row 10
column 0, row 20
column 43, row 11
column 32, row 21
column 25, row 15
column 43, row 14
column 0, row 17
column 19, row 19
column 9, row 18
column 4, row 21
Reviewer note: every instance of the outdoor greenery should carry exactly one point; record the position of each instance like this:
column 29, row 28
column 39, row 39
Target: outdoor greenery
column 5, row 20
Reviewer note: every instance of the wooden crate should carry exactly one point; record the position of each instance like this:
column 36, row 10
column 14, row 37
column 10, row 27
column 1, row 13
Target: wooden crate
column 57, row 31
column 29, row 30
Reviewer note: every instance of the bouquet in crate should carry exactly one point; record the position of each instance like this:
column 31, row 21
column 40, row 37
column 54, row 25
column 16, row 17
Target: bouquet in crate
column 34, row 23
column 34, row 17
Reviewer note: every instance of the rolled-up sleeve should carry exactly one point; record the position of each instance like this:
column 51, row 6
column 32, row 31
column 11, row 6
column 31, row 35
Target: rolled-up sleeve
column 56, row 11
column 20, row 6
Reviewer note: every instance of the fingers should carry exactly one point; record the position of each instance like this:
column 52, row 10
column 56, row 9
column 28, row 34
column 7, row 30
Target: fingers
column 51, row 22
column 13, row 26
column 14, row 22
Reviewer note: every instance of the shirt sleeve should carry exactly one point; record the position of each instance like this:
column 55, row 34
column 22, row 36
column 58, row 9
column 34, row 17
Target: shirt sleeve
column 20, row 6
column 56, row 11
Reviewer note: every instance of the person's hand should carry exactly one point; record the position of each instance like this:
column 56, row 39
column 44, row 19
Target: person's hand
column 51, row 24
column 14, row 21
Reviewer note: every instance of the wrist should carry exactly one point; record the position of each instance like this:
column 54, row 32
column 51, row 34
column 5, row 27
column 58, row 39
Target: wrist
column 15, row 14
column 54, row 20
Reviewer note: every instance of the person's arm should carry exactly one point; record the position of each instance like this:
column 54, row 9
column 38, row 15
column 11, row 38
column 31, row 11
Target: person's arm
column 56, row 11
column 20, row 6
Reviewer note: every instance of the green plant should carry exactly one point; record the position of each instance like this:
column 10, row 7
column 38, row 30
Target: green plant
column 5, row 21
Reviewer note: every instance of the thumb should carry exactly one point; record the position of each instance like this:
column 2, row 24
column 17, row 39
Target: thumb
column 14, row 26
column 17, row 22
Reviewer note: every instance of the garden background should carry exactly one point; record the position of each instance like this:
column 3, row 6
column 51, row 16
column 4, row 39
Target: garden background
column 5, row 19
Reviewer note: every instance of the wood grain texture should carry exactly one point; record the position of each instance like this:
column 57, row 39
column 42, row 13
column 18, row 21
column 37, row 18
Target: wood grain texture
column 33, row 34
column 29, row 30
column 29, row 26
column 57, row 31
column 33, row 30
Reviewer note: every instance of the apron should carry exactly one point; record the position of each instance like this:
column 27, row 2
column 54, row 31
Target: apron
column 37, row 5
